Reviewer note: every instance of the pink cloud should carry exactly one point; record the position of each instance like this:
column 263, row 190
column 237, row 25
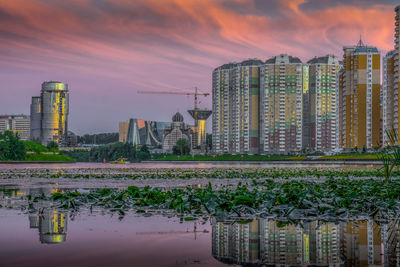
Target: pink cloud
column 162, row 45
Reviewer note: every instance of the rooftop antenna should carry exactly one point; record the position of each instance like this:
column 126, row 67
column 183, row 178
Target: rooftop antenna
column 360, row 43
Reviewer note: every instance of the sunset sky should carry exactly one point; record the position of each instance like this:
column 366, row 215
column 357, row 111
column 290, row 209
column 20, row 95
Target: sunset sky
column 106, row 50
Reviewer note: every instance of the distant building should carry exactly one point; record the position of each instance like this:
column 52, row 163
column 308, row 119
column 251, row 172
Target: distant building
column 199, row 132
column 236, row 96
column 19, row 124
column 391, row 85
column 123, row 131
column 281, row 108
column 72, row 139
column 49, row 114
column 142, row 132
column 175, row 131
column 390, row 98
column 320, row 104
column 359, row 98
column 35, row 119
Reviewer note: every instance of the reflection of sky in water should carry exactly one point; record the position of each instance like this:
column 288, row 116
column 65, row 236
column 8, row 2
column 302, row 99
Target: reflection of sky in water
column 159, row 241
column 103, row 240
column 50, row 236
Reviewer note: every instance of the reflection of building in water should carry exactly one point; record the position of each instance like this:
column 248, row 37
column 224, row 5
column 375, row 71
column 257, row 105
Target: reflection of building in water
column 235, row 242
column 281, row 245
column 327, row 243
column 355, row 243
column 364, row 242
column 293, row 244
column 52, row 226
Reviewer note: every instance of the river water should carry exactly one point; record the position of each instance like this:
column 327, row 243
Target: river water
column 55, row 238
column 172, row 165
column 47, row 236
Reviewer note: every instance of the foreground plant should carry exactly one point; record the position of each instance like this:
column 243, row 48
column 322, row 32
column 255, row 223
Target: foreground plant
column 329, row 200
column 390, row 155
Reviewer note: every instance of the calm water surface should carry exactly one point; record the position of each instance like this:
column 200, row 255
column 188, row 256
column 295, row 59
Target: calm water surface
column 185, row 165
column 63, row 239
column 52, row 237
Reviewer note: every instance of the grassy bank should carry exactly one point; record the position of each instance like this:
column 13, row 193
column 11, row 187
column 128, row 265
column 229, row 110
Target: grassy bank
column 48, row 157
column 228, row 158
column 351, row 156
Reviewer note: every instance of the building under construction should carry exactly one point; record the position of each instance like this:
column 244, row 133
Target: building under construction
column 200, row 116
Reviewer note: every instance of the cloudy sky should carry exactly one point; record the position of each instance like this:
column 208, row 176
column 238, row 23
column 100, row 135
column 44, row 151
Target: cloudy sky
column 106, row 50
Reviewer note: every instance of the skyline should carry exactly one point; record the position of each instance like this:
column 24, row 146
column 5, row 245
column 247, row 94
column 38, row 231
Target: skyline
column 107, row 50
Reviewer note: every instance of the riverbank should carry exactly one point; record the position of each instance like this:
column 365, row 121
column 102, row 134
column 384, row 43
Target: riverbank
column 36, row 162
column 344, row 157
column 41, row 159
column 272, row 162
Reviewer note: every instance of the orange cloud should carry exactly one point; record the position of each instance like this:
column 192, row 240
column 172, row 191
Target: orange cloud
column 165, row 44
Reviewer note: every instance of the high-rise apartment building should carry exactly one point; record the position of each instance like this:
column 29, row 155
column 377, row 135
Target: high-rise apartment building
column 390, row 104
column 390, row 86
column 280, row 106
column 221, row 110
column 281, row 83
column 319, row 104
column 359, row 98
column 236, row 108
column 18, row 124
column 244, row 93
column 50, row 111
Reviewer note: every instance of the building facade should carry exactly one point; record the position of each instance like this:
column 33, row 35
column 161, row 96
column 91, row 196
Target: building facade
column 175, row 131
column 320, row 104
column 221, row 109
column 281, row 106
column 244, row 97
column 200, row 132
column 142, row 132
column 18, row 124
column 359, row 98
column 390, row 105
column 35, row 119
column 123, row 131
column 54, row 112
column 390, row 87
column 49, row 114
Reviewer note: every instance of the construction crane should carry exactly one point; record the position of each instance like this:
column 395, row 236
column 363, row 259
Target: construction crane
column 195, row 94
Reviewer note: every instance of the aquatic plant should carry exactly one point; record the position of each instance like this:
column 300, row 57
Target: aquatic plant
column 328, row 200
column 321, row 173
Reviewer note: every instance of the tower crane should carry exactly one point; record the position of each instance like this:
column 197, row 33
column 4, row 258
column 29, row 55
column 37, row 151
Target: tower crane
column 196, row 93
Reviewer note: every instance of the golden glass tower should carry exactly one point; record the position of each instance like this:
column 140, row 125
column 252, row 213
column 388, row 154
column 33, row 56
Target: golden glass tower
column 49, row 114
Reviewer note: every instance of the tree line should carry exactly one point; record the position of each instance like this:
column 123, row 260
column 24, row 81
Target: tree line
column 111, row 152
column 100, row 139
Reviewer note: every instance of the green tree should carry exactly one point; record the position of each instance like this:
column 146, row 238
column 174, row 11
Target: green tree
column 11, row 147
column 182, row 147
column 144, row 149
column 53, row 146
